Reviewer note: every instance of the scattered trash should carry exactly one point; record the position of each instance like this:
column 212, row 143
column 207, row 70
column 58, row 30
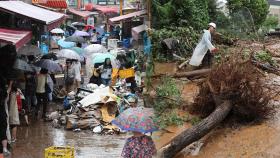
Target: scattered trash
column 77, row 130
column 97, row 129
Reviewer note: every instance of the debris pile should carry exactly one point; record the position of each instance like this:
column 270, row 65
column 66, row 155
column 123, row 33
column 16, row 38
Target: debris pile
column 93, row 107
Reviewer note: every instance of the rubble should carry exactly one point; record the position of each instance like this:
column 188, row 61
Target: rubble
column 92, row 107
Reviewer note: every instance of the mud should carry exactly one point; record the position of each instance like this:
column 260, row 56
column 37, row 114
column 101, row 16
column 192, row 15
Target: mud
column 240, row 141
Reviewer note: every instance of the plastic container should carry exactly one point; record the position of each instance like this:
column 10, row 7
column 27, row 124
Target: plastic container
column 126, row 43
column 113, row 43
column 59, row 152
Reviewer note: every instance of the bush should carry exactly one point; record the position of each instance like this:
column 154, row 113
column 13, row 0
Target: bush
column 187, row 36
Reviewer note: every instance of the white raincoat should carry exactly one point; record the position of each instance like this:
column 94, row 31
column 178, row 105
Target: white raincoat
column 201, row 49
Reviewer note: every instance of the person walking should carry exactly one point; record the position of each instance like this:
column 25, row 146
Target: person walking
column 139, row 146
column 14, row 111
column 30, row 91
column 77, row 71
column 202, row 49
column 106, row 72
column 41, row 93
column 69, row 76
column 3, row 116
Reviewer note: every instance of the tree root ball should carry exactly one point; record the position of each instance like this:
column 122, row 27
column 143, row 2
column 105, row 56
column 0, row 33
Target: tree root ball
column 237, row 80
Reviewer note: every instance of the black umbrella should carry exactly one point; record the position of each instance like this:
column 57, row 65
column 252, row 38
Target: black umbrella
column 29, row 50
column 51, row 56
column 71, row 28
column 75, row 39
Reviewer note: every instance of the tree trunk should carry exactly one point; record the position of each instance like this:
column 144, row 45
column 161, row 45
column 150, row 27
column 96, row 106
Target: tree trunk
column 198, row 131
column 187, row 74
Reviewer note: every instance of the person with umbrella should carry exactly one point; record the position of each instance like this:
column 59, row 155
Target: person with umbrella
column 138, row 120
column 106, row 72
column 42, row 91
column 69, row 76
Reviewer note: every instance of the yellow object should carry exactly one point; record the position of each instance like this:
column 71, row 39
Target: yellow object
column 59, row 152
column 114, row 76
column 105, row 114
column 126, row 73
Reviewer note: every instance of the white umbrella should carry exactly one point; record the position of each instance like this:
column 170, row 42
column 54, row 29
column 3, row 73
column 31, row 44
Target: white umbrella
column 57, row 30
column 69, row 54
column 95, row 48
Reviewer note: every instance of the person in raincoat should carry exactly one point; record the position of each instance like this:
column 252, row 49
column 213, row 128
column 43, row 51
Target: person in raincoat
column 203, row 46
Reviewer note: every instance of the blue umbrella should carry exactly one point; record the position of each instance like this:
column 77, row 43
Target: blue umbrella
column 79, row 50
column 65, row 44
column 100, row 58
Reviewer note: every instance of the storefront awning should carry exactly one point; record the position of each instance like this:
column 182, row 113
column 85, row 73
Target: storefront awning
column 106, row 9
column 136, row 30
column 15, row 37
column 127, row 16
column 44, row 16
column 83, row 14
column 59, row 4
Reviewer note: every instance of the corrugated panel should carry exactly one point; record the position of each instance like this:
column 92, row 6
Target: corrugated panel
column 31, row 11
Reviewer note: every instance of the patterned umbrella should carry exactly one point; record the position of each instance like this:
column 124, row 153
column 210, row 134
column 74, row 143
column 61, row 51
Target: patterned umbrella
column 136, row 119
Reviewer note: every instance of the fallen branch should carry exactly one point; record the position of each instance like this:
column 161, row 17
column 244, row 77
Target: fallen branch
column 198, row 131
column 183, row 64
column 202, row 72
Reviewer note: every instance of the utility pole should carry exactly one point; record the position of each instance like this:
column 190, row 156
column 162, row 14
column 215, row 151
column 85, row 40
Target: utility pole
column 79, row 4
column 121, row 7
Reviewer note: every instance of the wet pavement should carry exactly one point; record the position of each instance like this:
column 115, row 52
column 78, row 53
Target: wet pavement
column 32, row 141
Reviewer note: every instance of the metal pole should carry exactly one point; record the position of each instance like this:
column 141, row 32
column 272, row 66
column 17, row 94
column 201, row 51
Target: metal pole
column 121, row 7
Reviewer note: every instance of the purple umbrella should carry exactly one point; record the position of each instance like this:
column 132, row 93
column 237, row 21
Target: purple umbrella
column 136, row 119
column 52, row 66
column 80, row 33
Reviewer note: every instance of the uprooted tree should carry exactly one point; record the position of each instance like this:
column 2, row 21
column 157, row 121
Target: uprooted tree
column 233, row 89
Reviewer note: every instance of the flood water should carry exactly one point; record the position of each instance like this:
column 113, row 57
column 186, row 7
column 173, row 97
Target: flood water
column 32, row 141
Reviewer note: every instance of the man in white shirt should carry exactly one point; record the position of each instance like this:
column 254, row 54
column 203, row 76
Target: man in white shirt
column 203, row 46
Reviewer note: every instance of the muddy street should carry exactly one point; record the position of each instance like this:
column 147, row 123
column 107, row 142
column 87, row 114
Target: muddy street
column 32, row 141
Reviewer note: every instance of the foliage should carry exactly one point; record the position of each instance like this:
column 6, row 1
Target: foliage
column 270, row 22
column 258, row 9
column 213, row 10
column 170, row 117
column 221, row 20
column 187, row 36
column 180, row 13
column 195, row 120
column 263, row 56
column 167, row 101
column 149, row 72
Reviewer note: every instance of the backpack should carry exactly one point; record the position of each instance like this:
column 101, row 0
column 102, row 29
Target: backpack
column 19, row 102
